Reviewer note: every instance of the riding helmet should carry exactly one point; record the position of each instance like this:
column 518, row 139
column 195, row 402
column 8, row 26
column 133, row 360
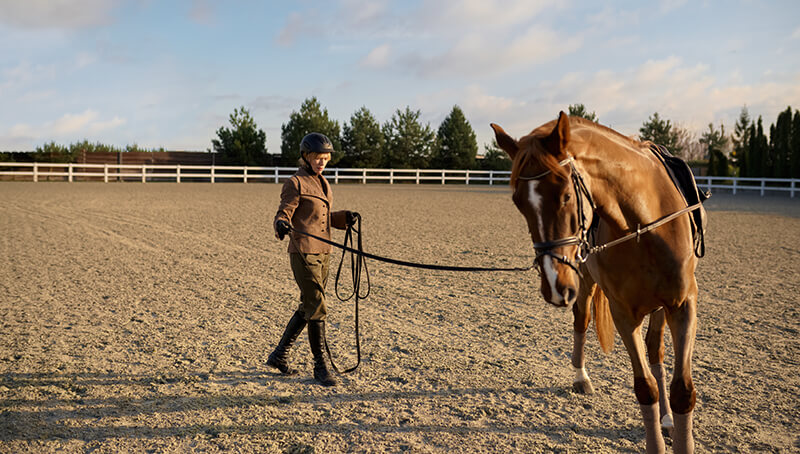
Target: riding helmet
column 315, row 143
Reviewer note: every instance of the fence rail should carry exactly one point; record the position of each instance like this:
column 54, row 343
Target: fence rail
column 40, row 171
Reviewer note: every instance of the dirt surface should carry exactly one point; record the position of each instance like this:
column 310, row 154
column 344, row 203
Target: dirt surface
column 138, row 317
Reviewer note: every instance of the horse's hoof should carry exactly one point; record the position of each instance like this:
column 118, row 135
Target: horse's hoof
column 667, row 425
column 583, row 387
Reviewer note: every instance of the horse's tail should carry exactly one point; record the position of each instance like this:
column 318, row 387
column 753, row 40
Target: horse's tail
column 603, row 322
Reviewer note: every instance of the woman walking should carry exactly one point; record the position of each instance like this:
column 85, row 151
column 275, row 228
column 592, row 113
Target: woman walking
column 306, row 200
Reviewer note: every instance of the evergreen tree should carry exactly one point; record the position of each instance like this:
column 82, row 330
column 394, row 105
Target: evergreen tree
column 660, row 132
column 794, row 158
column 715, row 141
column 780, row 144
column 456, row 145
column 408, row 142
column 362, row 141
column 243, row 143
column 494, row 158
column 53, row 152
column 740, row 139
column 579, row 110
column 311, row 118
column 760, row 151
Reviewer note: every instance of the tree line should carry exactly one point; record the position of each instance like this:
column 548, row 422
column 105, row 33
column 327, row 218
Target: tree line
column 405, row 142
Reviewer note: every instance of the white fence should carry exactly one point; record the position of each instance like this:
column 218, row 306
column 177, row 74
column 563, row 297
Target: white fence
column 39, row 171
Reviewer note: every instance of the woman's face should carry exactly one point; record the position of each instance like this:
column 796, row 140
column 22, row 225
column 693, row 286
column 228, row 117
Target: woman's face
column 319, row 161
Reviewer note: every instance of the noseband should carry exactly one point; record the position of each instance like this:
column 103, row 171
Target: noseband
column 581, row 238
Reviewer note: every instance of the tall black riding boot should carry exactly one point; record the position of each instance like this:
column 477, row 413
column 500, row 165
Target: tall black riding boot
column 277, row 358
column 316, row 337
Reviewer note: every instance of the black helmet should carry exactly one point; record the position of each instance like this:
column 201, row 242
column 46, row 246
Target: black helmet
column 315, row 143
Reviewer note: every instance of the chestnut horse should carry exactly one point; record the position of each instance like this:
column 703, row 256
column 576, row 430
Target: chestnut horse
column 579, row 184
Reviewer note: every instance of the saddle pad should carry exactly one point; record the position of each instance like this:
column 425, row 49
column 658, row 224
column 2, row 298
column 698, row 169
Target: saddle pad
column 683, row 179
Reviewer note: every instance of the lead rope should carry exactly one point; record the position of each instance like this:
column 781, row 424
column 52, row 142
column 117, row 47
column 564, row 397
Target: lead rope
column 357, row 264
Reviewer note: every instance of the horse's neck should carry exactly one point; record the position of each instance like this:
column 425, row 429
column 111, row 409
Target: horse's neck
column 628, row 188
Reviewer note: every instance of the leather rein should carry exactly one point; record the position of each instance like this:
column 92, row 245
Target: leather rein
column 581, row 238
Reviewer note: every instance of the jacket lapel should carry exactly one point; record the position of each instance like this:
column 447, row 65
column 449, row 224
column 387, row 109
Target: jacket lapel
column 312, row 186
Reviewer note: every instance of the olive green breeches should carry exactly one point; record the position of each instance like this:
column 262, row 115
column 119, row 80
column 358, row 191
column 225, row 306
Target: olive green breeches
column 311, row 274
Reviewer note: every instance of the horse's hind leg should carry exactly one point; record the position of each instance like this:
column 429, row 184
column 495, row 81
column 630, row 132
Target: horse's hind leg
column 582, row 313
column 683, row 325
column 655, row 354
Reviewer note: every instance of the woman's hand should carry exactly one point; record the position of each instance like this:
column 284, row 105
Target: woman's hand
column 352, row 217
column 281, row 229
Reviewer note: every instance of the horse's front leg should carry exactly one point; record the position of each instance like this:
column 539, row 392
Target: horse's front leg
column 644, row 384
column 655, row 354
column 683, row 325
column 582, row 315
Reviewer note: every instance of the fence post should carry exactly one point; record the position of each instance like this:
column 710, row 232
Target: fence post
column 212, row 174
column 364, row 176
column 491, row 177
column 276, row 174
column 336, row 176
column 763, row 185
column 69, row 172
column 417, row 176
column 734, row 187
column 144, row 173
column 467, row 178
column 178, row 173
column 442, row 176
column 35, row 172
column 391, row 176
column 105, row 173
column 245, row 174
column 791, row 191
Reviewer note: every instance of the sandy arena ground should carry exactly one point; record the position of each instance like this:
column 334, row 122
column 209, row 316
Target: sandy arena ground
column 138, row 318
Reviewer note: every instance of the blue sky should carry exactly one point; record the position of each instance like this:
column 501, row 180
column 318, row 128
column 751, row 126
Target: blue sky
column 168, row 74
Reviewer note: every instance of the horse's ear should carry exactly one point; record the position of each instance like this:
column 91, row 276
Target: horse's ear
column 557, row 141
column 504, row 141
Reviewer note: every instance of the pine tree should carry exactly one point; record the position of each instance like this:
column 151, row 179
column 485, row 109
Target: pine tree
column 243, row 143
column 715, row 141
column 362, row 141
column 579, row 110
column 760, row 151
column 408, row 142
column 794, row 158
column 740, row 139
column 456, row 146
column 660, row 132
column 780, row 144
column 494, row 158
column 311, row 118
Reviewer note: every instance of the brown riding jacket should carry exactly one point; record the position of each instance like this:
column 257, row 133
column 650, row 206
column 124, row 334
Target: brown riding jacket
column 306, row 201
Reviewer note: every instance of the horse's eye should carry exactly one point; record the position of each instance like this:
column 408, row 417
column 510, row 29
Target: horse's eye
column 567, row 197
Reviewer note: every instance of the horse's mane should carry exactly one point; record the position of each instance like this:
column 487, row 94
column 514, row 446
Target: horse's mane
column 530, row 148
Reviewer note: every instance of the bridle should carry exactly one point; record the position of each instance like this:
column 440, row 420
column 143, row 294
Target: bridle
column 581, row 238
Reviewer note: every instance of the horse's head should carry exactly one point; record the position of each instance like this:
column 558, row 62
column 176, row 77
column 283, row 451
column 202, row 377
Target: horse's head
column 545, row 193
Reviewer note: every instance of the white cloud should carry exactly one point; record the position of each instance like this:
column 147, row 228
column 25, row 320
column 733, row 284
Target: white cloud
column 66, row 14
column 296, row 24
column 377, row 57
column 472, row 14
column 686, row 94
column 67, row 128
column 796, row 33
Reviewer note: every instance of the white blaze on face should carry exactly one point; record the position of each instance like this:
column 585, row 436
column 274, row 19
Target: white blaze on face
column 547, row 262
